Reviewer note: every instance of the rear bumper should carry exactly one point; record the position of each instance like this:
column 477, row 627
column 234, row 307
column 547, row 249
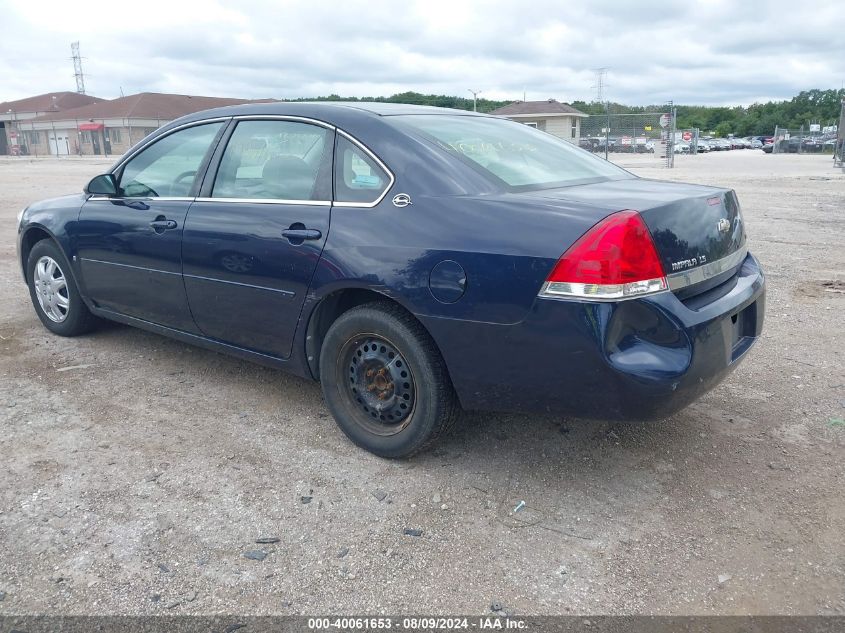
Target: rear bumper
column 638, row 359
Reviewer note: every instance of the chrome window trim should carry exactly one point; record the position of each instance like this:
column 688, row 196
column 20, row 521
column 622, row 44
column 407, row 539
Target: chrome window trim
column 377, row 160
column 686, row 278
column 141, row 148
column 265, row 117
column 283, row 117
column 143, row 199
column 313, row 203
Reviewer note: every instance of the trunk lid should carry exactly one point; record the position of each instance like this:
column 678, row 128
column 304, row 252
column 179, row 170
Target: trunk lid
column 697, row 230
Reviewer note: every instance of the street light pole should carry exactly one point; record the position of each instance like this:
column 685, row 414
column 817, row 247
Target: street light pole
column 475, row 94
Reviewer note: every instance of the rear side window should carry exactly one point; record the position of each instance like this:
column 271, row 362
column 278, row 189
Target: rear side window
column 357, row 177
column 275, row 160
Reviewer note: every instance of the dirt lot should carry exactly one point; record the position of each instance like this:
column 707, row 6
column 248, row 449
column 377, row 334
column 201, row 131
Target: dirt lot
column 138, row 471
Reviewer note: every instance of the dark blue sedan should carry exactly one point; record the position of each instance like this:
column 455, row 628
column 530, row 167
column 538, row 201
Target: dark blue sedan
column 414, row 260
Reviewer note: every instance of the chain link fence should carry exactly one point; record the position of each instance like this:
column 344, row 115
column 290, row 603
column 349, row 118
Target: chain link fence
column 802, row 141
column 648, row 134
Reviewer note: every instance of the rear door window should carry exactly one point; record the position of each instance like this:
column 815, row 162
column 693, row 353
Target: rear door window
column 276, row 160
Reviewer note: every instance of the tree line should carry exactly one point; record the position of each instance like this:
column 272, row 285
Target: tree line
column 809, row 106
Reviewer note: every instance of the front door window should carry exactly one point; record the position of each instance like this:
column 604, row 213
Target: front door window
column 169, row 167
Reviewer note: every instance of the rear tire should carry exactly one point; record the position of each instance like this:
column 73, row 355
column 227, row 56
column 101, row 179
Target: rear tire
column 54, row 293
column 385, row 382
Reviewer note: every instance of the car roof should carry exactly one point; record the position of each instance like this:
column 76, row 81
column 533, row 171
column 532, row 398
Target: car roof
column 329, row 111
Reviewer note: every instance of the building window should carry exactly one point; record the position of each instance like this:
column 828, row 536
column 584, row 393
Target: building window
column 114, row 135
column 32, row 137
column 531, row 123
column 574, row 127
column 85, row 136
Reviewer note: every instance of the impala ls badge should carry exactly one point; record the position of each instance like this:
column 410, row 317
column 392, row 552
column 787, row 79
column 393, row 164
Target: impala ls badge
column 401, row 200
column 723, row 225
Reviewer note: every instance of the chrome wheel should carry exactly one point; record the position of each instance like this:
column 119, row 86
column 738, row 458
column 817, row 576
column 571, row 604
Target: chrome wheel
column 379, row 383
column 51, row 289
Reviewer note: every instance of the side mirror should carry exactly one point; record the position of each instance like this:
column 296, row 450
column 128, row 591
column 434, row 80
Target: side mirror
column 104, row 185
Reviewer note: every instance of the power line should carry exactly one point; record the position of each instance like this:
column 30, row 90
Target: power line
column 77, row 68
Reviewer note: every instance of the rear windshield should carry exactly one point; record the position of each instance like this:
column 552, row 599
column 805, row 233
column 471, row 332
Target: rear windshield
column 515, row 155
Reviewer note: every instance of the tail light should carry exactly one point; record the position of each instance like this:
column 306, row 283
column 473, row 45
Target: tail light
column 616, row 259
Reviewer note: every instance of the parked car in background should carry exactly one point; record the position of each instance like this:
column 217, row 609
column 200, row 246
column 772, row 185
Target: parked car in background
column 413, row 260
column 591, row 143
column 790, row 145
column 756, row 143
column 812, row 145
column 703, row 146
column 682, row 148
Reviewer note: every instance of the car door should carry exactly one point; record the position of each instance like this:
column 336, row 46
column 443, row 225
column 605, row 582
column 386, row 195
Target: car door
column 130, row 246
column 253, row 238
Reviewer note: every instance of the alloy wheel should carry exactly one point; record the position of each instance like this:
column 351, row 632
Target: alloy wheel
column 51, row 289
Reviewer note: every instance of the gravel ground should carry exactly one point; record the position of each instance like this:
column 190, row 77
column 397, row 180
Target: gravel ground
column 138, row 472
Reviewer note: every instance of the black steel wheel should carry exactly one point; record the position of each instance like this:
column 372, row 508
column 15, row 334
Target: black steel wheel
column 385, row 382
column 380, row 383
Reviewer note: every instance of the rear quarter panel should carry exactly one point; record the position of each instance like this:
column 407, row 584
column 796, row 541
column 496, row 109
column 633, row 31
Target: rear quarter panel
column 506, row 244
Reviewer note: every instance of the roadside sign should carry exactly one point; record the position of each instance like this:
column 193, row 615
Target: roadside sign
column 665, row 119
column 687, row 136
column 647, row 128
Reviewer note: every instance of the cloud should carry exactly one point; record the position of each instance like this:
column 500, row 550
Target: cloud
column 715, row 52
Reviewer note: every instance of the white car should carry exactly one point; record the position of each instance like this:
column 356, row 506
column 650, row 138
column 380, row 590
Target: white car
column 682, row 148
column 703, row 146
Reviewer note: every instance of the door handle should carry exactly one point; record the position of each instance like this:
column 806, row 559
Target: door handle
column 161, row 224
column 300, row 235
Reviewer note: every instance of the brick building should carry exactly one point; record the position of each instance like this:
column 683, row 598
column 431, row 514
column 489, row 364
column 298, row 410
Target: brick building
column 16, row 115
column 111, row 127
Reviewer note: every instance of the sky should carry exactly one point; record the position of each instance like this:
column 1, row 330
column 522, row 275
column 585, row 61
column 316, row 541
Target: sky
column 716, row 52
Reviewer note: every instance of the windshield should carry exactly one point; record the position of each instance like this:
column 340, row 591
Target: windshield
column 516, row 155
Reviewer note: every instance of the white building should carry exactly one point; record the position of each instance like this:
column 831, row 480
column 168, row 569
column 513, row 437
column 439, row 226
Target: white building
column 551, row 116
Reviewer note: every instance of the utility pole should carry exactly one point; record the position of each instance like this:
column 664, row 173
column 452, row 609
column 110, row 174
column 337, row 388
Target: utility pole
column 475, row 94
column 77, row 68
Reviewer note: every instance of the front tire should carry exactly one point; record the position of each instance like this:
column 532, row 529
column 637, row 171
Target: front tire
column 54, row 293
column 385, row 382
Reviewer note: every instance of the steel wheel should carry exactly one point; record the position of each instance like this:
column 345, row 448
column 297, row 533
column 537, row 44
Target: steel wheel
column 51, row 289
column 384, row 380
column 379, row 383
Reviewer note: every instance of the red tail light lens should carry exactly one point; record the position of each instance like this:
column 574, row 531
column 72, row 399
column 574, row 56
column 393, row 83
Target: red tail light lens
column 616, row 259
